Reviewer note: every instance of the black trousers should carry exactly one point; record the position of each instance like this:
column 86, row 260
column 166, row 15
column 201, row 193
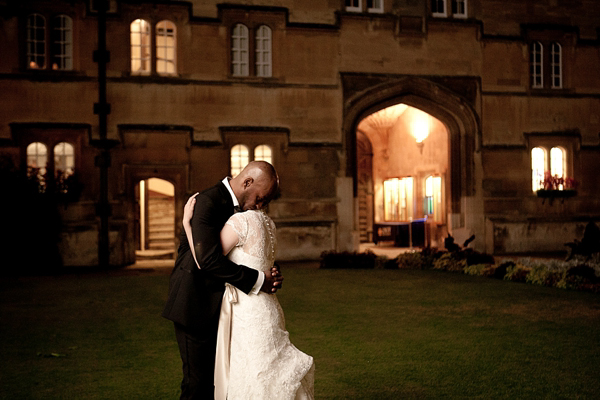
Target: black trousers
column 197, row 350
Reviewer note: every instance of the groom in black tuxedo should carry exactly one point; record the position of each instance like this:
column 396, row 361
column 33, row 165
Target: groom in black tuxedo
column 196, row 291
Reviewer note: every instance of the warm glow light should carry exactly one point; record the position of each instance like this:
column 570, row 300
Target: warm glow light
column 420, row 127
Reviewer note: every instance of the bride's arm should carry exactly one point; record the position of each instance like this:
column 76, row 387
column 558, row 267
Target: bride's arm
column 229, row 238
column 188, row 212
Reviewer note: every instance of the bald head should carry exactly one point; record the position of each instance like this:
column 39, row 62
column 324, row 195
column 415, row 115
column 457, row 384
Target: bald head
column 256, row 185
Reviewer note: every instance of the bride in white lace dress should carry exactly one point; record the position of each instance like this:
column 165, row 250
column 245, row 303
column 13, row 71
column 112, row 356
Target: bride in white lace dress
column 255, row 358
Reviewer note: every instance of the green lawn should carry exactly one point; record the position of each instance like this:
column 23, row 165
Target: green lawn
column 374, row 334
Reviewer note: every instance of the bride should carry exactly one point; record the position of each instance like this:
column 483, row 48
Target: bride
column 255, row 358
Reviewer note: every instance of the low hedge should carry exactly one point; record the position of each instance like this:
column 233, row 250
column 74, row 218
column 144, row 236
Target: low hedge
column 576, row 274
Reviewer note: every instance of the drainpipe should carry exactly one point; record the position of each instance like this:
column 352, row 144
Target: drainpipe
column 102, row 109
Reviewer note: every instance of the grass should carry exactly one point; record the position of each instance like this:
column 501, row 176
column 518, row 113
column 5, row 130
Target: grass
column 374, row 334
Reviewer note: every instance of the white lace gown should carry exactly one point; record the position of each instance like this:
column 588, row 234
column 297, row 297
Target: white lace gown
column 263, row 363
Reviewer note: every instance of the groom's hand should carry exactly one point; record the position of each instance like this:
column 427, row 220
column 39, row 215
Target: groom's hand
column 273, row 280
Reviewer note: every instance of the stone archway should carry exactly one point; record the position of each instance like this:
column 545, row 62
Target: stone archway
column 365, row 95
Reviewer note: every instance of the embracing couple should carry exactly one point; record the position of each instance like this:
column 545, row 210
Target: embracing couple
column 228, row 323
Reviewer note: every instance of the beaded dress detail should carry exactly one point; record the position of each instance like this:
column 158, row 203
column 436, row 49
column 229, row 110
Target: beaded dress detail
column 263, row 363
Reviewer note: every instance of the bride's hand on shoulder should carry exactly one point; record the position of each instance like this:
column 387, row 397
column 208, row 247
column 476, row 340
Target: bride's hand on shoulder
column 188, row 210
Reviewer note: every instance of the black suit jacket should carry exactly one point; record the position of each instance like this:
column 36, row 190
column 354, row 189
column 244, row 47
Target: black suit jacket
column 195, row 294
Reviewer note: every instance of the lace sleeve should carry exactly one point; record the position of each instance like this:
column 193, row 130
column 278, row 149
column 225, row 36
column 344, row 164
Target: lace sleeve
column 240, row 225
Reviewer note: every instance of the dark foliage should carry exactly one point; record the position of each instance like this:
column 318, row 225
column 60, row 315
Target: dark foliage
column 348, row 260
column 31, row 225
column 589, row 245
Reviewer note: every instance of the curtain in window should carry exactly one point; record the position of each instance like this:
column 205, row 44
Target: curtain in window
column 166, row 47
column 140, row 46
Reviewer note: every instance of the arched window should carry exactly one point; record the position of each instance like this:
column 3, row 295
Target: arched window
column 239, row 158
column 556, row 65
column 62, row 43
column 263, row 51
column 166, row 47
column 37, row 161
column 36, row 41
column 64, row 159
column 537, row 70
column 140, row 46
column 239, row 51
column 538, row 166
column 263, row 153
column 557, row 163
column 433, row 197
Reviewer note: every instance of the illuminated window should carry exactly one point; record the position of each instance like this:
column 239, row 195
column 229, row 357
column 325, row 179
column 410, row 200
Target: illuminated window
column 438, row 8
column 557, row 164
column 398, row 199
column 459, row 8
column 140, row 46
column 537, row 65
column 263, row 153
column 36, row 41
column 263, row 51
column 64, row 159
column 62, row 43
column 353, row 5
column 433, row 198
column 239, row 51
column 538, row 167
column 166, row 47
column 556, row 65
column 375, row 6
column 239, row 158
column 37, row 162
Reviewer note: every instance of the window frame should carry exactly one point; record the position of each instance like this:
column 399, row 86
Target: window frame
column 240, row 50
column 259, row 52
column 567, row 142
column 158, row 47
column 438, row 14
column 148, row 46
column 65, row 31
column 378, row 9
column 32, row 55
column 457, row 14
column 556, row 65
column 536, row 62
column 355, row 7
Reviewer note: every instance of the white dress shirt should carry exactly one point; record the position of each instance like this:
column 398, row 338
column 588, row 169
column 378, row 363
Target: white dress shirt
column 261, row 275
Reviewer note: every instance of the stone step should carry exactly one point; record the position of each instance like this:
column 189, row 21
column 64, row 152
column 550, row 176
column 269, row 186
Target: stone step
column 162, row 228
column 154, row 255
column 161, row 246
column 152, row 236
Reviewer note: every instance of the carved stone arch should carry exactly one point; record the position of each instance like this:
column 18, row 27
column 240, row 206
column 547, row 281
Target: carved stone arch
column 452, row 109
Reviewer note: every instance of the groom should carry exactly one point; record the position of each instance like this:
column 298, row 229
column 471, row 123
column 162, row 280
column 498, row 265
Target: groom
column 195, row 293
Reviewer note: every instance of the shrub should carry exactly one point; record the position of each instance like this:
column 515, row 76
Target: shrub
column 449, row 262
column 410, row 260
column 517, row 273
column 544, row 274
column 348, row 260
column 476, row 269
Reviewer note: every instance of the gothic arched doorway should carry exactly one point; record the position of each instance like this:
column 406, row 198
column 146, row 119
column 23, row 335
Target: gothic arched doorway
column 451, row 164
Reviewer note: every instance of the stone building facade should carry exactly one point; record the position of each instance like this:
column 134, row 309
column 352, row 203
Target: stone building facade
column 339, row 91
